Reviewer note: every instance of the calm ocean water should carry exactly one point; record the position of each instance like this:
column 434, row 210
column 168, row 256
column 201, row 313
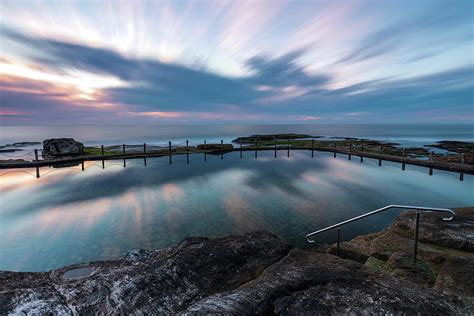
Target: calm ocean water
column 413, row 135
column 70, row 216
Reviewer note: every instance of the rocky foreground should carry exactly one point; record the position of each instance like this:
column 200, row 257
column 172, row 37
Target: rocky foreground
column 258, row 273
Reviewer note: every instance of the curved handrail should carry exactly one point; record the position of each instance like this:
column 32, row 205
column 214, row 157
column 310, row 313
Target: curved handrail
column 417, row 208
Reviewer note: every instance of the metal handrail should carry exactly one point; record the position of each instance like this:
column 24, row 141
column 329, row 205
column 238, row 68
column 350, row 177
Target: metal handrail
column 419, row 209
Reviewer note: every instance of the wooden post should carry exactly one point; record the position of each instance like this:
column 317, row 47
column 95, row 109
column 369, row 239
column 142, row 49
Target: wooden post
column 187, row 152
column 169, row 148
column 288, row 149
column 144, row 152
column 205, row 150
column 275, row 148
column 312, row 148
column 37, row 167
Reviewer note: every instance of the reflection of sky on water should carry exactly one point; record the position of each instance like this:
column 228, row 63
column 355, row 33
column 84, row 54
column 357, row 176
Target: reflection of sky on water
column 70, row 216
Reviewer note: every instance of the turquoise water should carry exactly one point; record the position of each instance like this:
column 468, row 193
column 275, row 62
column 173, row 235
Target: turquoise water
column 69, row 216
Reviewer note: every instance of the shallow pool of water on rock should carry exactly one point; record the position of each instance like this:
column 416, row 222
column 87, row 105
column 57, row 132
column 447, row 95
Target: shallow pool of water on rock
column 70, row 216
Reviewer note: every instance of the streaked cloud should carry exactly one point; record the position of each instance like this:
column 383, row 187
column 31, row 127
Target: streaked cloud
column 242, row 61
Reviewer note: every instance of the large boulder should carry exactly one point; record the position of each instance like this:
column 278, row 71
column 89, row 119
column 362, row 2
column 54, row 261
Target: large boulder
column 58, row 147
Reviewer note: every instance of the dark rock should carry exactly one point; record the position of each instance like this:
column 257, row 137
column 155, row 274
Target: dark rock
column 256, row 138
column 59, row 147
column 454, row 146
column 22, row 144
column 445, row 250
column 256, row 273
column 222, row 147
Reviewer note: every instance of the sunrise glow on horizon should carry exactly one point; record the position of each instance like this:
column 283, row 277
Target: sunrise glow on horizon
column 148, row 62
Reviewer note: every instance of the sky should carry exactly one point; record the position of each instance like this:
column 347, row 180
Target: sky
column 245, row 62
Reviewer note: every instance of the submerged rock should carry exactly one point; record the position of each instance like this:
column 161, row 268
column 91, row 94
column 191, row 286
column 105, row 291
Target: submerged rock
column 255, row 273
column 59, row 147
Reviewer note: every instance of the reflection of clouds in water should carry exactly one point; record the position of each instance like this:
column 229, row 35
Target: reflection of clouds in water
column 171, row 191
column 243, row 213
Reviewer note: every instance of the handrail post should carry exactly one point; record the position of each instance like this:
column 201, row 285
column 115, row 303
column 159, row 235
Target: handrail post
column 124, row 161
column 144, row 152
column 37, row 168
column 169, row 148
column 417, row 227
column 187, row 151
column 102, row 150
column 275, row 140
column 463, row 158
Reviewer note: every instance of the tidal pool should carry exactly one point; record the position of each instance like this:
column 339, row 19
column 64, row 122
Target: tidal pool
column 71, row 216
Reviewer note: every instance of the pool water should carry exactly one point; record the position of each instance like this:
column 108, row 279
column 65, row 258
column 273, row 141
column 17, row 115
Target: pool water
column 71, row 216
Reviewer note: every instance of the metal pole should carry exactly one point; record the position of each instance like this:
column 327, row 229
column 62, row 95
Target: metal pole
column 417, row 227
column 255, row 149
column 124, row 161
column 169, row 148
column 187, row 152
column 144, row 151
column 103, row 162
column 275, row 147
column 334, row 144
column 240, row 149
column 350, row 146
column 37, row 168
column 338, row 241
column 312, row 148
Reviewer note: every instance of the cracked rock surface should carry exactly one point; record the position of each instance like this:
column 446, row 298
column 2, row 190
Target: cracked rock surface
column 255, row 273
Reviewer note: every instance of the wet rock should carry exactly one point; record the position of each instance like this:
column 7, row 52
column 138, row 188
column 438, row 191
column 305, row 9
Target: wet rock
column 445, row 251
column 59, row 147
column 137, row 255
column 215, row 147
column 256, row 273
column 270, row 137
